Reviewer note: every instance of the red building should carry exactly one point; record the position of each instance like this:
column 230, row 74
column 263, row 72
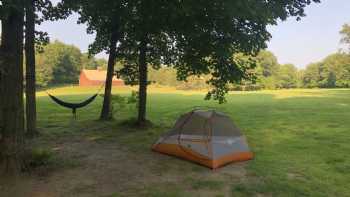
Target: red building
column 96, row 78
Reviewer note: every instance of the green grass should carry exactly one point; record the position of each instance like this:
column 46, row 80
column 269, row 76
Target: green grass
column 199, row 184
column 300, row 138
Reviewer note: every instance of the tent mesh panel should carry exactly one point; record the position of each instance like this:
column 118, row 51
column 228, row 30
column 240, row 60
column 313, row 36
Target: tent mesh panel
column 196, row 129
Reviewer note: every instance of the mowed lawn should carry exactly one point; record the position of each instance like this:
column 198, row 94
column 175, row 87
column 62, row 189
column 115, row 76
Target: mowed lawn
column 300, row 138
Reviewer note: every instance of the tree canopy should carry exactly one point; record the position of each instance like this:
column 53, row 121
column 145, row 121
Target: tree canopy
column 211, row 31
column 204, row 34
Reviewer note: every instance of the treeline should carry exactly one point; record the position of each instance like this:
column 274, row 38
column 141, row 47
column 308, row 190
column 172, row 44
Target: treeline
column 332, row 72
column 60, row 63
column 166, row 76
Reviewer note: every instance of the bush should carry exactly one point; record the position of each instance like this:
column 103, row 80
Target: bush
column 269, row 83
column 39, row 157
column 121, row 102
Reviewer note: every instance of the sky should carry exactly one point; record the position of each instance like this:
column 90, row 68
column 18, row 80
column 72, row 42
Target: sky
column 296, row 42
column 314, row 37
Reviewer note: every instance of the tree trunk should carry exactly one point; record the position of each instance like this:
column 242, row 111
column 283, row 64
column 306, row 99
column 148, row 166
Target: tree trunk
column 11, row 90
column 30, row 70
column 106, row 112
column 141, row 120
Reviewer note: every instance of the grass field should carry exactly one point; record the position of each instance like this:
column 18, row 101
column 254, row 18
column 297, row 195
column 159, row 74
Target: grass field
column 300, row 139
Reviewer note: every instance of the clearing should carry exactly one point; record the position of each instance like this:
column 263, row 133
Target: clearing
column 300, row 139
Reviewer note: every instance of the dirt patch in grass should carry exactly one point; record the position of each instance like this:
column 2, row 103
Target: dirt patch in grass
column 300, row 143
column 100, row 167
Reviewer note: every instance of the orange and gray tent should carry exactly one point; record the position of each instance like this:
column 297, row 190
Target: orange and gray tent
column 207, row 137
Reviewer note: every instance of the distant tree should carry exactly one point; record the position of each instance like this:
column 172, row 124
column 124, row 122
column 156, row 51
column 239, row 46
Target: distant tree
column 58, row 64
column 266, row 70
column 102, row 63
column 267, row 64
column 336, row 70
column 165, row 76
column 269, row 73
column 345, row 33
column 88, row 62
column 333, row 71
column 92, row 63
column 287, row 76
column 312, row 75
column 300, row 77
column 66, row 69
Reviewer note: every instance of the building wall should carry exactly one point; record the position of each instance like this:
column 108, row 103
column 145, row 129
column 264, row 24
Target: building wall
column 84, row 81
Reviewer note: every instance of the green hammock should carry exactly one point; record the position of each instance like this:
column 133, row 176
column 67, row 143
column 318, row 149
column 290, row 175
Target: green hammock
column 74, row 106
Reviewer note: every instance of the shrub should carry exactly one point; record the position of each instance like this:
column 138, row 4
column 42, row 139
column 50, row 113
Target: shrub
column 40, row 157
column 120, row 102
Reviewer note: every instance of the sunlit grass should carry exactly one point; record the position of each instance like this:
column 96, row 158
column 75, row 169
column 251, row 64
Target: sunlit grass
column 300, row 137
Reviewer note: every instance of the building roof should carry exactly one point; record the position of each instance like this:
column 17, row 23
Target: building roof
column 97, row 75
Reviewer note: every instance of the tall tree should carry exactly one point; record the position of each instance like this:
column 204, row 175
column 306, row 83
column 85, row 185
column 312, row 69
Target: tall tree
column 33, row 38
column 106, row 112
column 147, row 43
column 30, row 68
column 11, row 86
column 106, row 19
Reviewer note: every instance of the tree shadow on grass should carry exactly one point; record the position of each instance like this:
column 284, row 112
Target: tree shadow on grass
column 299, row 142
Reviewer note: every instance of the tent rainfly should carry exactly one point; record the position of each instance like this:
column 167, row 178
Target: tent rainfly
column 207, row 137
